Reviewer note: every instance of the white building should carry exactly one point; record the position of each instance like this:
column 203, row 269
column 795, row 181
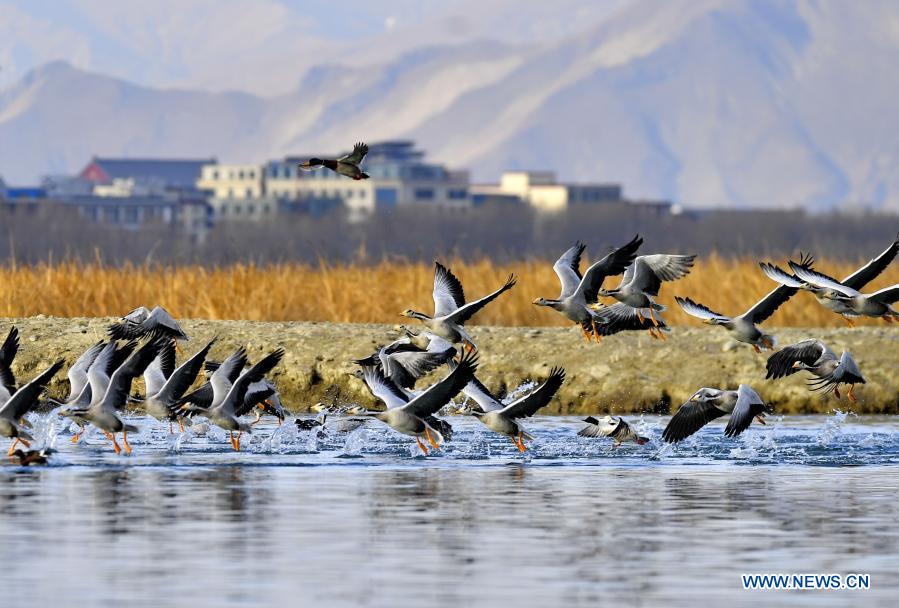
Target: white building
column 541, row 190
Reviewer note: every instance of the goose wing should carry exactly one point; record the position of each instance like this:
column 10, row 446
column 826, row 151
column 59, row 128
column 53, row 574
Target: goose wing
column 690, row 417
column 614, row 263
column 182, row 378
column 116, row 395
column 872, row 269
column 7, row 353
column 748, row 406
column 466, row 312
column 77, row 374
column 620, row 317
column 780, row 364
column 700, row 311
column 26, row 397
column 223, row 378
column 765, row 307
column 383, row 388
column 406, row 366
column 355, row 157
column 237, row 395
column 527, row 406
column 448, row 293
column 567, row 268
column 887, row 295
column 651, row 270
column 437, row 395
column 479, row 393
column 815, row 277
column 848, row 370
column 160, row 369
column 779, row 275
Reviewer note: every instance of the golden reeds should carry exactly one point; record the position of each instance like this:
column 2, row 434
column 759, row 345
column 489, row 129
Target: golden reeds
column 367, row 293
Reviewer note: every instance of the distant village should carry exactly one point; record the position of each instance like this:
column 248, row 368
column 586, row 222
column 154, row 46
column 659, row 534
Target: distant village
column 195, row 194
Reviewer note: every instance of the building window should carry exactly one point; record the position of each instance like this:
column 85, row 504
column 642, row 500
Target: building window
column 266, row 209
column 215, row 175
column 131, row 215
column 424, row 194
column 236, row 209
column 251, row 174
column 349, row 194
column 251, row 209
column 230, row 192
column 248, row 193
column 386, row 196
column 456, row 193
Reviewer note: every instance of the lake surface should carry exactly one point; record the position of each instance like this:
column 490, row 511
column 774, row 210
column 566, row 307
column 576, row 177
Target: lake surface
column 363, row 519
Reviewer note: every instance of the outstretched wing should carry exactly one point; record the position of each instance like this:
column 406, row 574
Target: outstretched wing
column 406, row 365
column 765, row 307
column 781, row 363
column 448, row 293
column 620, row 317
column 237, row 395
column 183, row 377
column 651, row 270
column 355, row 157
column 887, row 295
column 528, row 405
column 872, row 269
column 690, row 417
column 160, row 369
column 748, row 406
column 614, row 263
column 816, row 277
column 469, row 310
column 26, row 397
column 7, row 354
column 226, row 374
column 700, row 311
column 481, row 395
column 779, row 275
column 383, row 388
column 437, row 395
column 116, row 396
column 78, row 372
column 567, row 268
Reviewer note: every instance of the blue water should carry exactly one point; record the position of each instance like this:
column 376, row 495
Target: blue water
column 297, row 519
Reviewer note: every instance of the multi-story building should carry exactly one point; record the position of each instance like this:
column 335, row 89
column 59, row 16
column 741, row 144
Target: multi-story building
column 146, row 174
column 541, row 190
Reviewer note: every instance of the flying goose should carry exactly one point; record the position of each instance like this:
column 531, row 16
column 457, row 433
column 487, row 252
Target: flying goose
column 79, row 384
column 503, row 419
column 211, row 393
column 826, row 296
column 578, row 291
column 614, row 427
column 450, row 310
column 877, row 304
column 643, row 279
column 620, row 317
column 269, row 405
column 706, row 404
column 7, row 353
column 226, row 413
column 410, row 416
column 104, row 413
column 744, row 327
column 144, row 323
column 347, row 165
column 166, row 385
column 405, row 362
column 14, row 408
column 816, row 357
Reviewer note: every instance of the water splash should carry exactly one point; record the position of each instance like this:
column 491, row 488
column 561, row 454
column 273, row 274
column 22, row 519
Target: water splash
column 833, row 428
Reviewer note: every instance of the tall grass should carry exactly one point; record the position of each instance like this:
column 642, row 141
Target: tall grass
column 367, row 293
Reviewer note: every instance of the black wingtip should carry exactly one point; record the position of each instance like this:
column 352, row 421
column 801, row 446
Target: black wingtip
column 591, row 420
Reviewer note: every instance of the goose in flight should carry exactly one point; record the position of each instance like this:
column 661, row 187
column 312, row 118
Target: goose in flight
column 706, row 404
column 503, row 419
column 620, row 317
column 580, row 291
column 7, row 353
column 743, row 328
column 104, row 411
column 411, row 416
column 450, row 310
column 14, row 407
column 614, row 427
column 643, row 279
column 79, row 381
column 226, row 413
column 254, row 401
column 345, row 165
column 815, row 356
column 145, row 323
column 165, row 385
column 829, row 298
column 877, row 304
column 405, row 362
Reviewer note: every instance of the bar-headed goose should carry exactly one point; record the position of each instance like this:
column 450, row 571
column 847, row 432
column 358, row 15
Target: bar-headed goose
column 580, row 291
column 450, row 310
column 165, row 385
column 7, row 353
column 877, row 304
column 706, row 404
column 815, row 356
column 14, row 408
column 145, row 323
column 643, row 279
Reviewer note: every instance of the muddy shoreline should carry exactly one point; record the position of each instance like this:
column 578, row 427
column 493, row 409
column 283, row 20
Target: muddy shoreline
column 624, row 374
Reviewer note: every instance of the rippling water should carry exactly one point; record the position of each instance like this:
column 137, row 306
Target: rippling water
column 364, row 519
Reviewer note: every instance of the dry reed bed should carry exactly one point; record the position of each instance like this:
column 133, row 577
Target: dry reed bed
column 368, row 293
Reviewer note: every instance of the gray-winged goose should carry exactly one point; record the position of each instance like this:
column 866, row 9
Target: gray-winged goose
column 347, row 165
column 815, row 356
column 450, row 310
column 613, row 427
column 14, row 408
column 578, row 291
column 706, row 404
column 145, row 323
column 877, row 304
column 643, row 279
column 7, row 353
column 166, row 384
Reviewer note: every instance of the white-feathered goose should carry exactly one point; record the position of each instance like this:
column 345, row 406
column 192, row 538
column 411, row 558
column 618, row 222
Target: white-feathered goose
column 580, row 291
column 614, row 427
column 816, row 357
column 409, row 416
column 450, row 310
column 503, row 419
column 643, row 279
column 706, row 404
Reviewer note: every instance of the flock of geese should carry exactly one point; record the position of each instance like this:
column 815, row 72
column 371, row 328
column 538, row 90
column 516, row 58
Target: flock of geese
column 144, row 343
